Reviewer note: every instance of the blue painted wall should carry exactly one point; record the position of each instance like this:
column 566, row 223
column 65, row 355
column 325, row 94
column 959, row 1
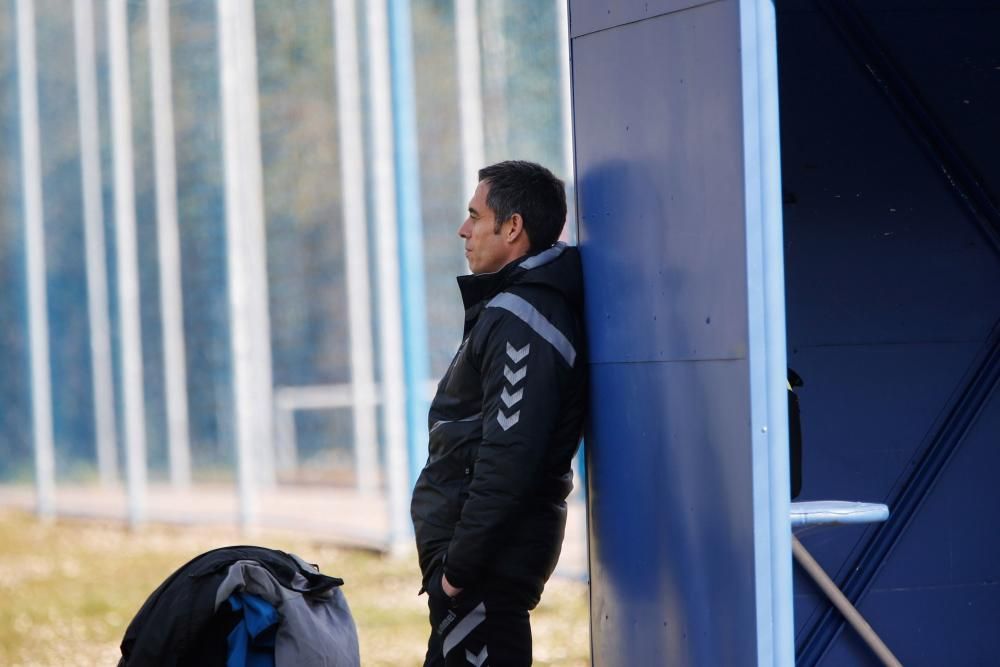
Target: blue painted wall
column 891, row 178
column 891, row 166
column 658, row 120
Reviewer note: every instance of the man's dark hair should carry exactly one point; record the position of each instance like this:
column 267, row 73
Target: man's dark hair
column 533, row 191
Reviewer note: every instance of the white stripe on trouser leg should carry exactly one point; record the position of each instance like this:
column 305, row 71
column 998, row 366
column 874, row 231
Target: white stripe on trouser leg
column 464, row 627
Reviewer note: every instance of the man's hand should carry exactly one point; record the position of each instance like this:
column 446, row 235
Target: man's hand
column 448, row 589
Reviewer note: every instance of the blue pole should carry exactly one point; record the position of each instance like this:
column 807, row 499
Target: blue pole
column 411, row 261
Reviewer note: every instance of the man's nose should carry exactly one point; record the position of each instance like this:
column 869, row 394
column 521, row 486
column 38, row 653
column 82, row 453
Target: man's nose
column 462, row 228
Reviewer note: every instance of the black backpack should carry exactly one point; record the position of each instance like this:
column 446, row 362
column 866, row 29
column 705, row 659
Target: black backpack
column 178, row 624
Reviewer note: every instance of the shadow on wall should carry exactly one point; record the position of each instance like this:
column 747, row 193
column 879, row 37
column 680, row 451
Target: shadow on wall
column 661, row 501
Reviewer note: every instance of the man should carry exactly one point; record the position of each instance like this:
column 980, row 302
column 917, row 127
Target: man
column 489, row 507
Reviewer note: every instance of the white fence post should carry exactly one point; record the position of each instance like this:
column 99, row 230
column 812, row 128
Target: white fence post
column 390, row 309
column 249, row 110
column 168, row 240
column 352, row 175
column 128, row 263
column 34, row 222
column 246, row 253
column 495, row 51
column 470, row 92
column 105, row 429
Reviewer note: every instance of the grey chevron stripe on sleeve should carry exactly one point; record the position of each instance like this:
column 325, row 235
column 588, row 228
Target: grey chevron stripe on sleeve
column 539, row 324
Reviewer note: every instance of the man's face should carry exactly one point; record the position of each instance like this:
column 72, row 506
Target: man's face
column 485, row 250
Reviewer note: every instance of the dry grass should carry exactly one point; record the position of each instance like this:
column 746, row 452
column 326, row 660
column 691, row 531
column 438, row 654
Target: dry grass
column 68, row 589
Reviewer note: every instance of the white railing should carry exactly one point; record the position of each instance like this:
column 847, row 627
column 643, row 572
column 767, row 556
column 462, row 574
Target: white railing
column 290, row 400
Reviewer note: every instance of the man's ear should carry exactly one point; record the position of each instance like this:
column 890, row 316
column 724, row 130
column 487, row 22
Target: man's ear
column 515, row 231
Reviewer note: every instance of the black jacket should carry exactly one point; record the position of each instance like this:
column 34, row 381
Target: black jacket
column 504, row 426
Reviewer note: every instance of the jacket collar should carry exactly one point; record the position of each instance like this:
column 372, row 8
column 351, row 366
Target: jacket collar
column 479, row 288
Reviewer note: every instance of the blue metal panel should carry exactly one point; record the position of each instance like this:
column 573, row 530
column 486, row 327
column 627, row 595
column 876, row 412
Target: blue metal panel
column 943, row 585
column 661, row 191
column 597, row 15
column 855, row 387
column 949, row 559
column 659, row 119
column 892, row 269
column 875, row 231
column 671, row 520
column 956, row 530
column 930, row 627
column 892, row 247
column 953, row 74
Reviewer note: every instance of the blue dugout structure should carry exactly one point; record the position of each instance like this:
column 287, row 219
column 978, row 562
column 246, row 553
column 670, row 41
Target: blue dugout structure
column 886, row 269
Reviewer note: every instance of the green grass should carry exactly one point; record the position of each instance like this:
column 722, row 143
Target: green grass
column 68, row 589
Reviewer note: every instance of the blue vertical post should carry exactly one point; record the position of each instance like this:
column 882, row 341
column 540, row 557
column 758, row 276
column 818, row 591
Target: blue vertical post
column 411, row 261
column 681, row 242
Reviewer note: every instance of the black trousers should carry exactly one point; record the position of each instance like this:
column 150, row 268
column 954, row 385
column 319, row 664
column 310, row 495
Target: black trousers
column 483, row 627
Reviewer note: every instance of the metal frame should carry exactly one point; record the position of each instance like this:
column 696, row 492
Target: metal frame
column 766, row 329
